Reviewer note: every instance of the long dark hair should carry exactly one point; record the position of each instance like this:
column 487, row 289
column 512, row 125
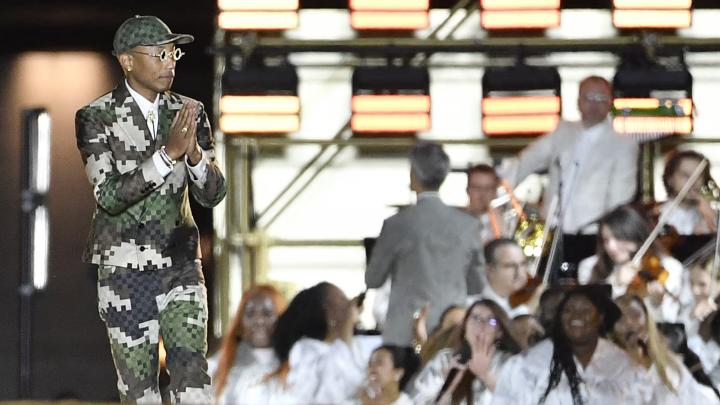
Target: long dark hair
column 508, row 343
column 562, row 357
column 626, row 223
column 305, row 316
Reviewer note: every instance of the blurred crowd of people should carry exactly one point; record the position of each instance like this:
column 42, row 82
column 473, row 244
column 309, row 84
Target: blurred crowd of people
column 466, row 315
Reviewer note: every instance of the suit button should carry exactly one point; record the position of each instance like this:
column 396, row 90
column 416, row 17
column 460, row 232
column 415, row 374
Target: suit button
column 142, row 248
column 141, row 226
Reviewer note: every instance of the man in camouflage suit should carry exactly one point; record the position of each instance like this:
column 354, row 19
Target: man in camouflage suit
column 144, row 148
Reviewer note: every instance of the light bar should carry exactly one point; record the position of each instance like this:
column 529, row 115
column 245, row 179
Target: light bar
column 385, row 5
column 397, row 103
column 397, row 20
column 652, row 4
column 652, row 18
column 653, row 103
column 519, row 14
column 255, row 5
column 519, row 125
column 259, row 105
column 390, row 113
column 260, row 124
column 257, row 20
column 521, row 105
column 519, row 4
column 389, row 15
column 637, row 126
column 386, row 123
column 664, row 14
column 259, row 114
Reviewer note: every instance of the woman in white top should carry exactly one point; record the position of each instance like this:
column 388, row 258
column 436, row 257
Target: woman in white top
column 636, row 333
column 321, row 362
column 694, row 214
column 389, row 370
column 245, row 356
column 488, row 338
column 575, row 365
column 622, row 232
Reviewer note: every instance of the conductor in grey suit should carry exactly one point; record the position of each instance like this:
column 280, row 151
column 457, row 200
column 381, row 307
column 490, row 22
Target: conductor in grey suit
column 430, row 251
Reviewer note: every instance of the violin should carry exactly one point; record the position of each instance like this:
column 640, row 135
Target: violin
column 651, row 269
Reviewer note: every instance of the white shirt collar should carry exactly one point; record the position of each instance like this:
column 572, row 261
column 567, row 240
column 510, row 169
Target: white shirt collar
column 145, row 105
column 428, row 194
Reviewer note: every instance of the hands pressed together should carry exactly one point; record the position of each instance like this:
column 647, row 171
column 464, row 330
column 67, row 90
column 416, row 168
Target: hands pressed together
column 183, row 134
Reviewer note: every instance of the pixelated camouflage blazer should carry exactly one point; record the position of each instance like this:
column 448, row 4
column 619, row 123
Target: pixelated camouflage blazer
column 142, row 220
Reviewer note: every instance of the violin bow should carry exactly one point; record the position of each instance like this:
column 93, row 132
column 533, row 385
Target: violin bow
column 665, row 215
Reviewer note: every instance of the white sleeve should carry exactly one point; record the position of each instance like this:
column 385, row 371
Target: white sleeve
column 342, row 369
column 431, row 378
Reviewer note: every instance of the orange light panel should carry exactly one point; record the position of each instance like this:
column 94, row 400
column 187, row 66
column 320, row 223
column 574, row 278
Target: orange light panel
column 650, row 103
column 390, row 122
column 653, row 125
column 652, row 18
column 260, row 105
column 257, row 20
column 400, row 20
column 520, row 124
column 653, row 4
column 394, row 5
column 249, row 123
column 258, row 5
column 521, row 105
column 394, row 103
column 519, row 4
column 514, row 19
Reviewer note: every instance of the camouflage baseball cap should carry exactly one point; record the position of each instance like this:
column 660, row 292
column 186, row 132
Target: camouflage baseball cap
column 145, row 30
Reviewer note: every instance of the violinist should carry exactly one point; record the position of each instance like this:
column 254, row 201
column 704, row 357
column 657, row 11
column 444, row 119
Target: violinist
column 702, row 304
column 694, row 215
column 622, row 232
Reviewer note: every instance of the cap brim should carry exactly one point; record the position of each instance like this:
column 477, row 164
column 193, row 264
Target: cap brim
column 176, row 39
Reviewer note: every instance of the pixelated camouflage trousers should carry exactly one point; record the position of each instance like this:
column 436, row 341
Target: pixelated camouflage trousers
column 138, row 307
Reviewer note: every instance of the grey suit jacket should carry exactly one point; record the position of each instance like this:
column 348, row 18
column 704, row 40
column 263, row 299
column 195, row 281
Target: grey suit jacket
column 431, row 252
column 604, row 180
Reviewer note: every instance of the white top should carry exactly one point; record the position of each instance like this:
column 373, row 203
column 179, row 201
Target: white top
column 320, row 373
column 403, row 399
column 687, row 390
column 250, row 367
column 611, row 377
column 490, row 294
column 683, row 219
column 583, row 147
column 669, row 308
column 708, row 352
column 430, row 380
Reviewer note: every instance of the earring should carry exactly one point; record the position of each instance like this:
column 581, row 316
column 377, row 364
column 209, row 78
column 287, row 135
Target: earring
column 129, row 69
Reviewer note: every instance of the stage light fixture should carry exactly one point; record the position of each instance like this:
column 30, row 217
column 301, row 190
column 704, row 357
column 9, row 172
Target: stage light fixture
column 520, row 100
column 260, row 100
column 256, row 15
column 389, row 15
column 652, row 102
column 662, row 14
column 390, row 100
column 519, row 14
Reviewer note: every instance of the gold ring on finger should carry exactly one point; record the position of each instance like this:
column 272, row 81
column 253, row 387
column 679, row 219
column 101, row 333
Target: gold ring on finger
column 184, row 130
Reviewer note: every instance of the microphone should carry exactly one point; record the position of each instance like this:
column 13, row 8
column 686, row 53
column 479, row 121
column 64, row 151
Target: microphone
column 464, row 354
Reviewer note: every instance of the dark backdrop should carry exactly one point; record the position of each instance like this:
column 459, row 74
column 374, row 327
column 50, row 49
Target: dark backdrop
column 56, row 54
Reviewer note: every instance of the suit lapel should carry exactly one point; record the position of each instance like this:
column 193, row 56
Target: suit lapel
column 133, row 129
